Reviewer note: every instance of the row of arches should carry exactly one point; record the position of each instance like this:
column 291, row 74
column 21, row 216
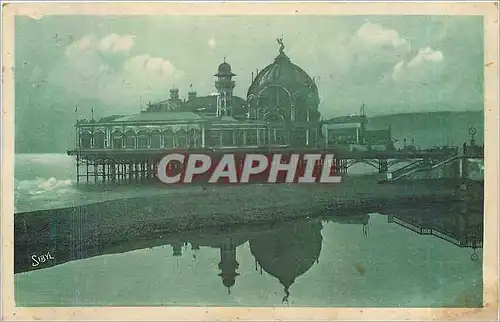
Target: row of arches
column 142, row 139
column 194, row 138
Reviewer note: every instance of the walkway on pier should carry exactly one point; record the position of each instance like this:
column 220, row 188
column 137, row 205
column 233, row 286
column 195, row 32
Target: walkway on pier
column 461, row 158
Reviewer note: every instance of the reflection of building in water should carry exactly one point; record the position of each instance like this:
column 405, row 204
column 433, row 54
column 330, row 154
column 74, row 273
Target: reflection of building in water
column 287, row 253
column 351, row 220
column 227, row 245
column 228, row 263
column 460, row 223
column 176, row 249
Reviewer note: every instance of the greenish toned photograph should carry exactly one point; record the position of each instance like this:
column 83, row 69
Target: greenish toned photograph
column 390, row 105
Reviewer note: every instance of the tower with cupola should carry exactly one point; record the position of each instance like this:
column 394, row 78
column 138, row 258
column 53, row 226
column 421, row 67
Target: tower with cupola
column 174, row 102
column 224, row 84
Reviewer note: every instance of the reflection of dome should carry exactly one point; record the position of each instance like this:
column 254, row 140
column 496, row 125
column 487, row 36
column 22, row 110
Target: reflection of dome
column 288, row 252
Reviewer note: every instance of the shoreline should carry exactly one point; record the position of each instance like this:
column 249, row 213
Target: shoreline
column 85, row 231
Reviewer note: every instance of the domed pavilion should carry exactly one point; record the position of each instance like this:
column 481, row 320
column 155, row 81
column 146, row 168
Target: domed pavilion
column 284, row 95
column 280, row 112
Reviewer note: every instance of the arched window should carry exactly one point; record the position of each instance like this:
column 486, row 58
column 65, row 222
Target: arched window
column 212, row 138
column 194, row 138
column 251, row 137
column 130, row 139
column 238, row 138
column 313, row 137
column 299, row 137
column 276, row 98
column 280, row 136
column 181, row 139
column 301, row 111
column 99, row 139
column 142, row 139
column 85, row 140
column 168, row 139
column 117, row 140
column 263, row 137
column 227, row 137
column 274, row 117
column 155, row 139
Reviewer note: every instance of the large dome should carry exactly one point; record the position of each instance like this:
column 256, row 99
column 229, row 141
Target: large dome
column 282, row 72
column 283, row 91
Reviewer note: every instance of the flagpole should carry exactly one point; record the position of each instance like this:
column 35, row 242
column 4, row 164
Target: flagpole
column 77, row 139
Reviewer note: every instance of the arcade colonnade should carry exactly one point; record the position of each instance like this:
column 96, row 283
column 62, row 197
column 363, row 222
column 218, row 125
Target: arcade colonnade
column 99, row 136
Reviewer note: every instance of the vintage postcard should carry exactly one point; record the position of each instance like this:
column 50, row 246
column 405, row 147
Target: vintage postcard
column 250, row 161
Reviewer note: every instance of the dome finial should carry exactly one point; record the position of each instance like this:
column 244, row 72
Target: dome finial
column 224, row 58
column 282, row 46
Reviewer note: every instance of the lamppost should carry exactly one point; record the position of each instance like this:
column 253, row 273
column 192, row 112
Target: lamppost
column 472, row 133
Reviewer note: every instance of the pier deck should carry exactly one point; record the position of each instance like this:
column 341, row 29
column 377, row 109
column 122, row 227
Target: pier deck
column 129, row 165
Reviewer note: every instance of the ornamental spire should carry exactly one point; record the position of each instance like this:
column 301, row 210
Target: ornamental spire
column 282, row 46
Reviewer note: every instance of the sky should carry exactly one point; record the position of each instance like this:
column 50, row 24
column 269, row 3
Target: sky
column 117, row 64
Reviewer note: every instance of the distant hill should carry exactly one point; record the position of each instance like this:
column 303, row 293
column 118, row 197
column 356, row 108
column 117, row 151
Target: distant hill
column 431, row 129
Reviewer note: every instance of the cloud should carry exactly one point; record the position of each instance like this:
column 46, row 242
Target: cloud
column 112, row 43
column 373, row 35
column 83, row 44
column 113, row 82
column 421, row 68
column 426, row 54
column 371, row 53
column 146, row 63
column 212, row 43
column 116, row 43
column 377, row 59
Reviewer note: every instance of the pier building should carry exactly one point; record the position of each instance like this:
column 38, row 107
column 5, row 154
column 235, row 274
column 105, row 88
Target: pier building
column 279, row 114
column 352, row 133
column 281, row 109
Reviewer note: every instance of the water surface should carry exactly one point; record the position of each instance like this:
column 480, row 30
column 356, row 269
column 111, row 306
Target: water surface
column 362, row 260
